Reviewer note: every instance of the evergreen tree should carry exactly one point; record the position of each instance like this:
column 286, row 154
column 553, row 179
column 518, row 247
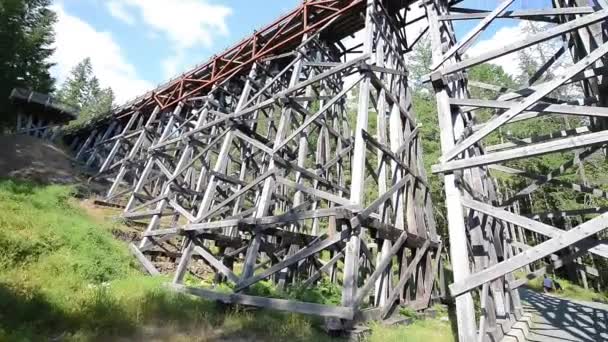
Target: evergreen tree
column 419, row 63
column 82, row 91
column 26, row 36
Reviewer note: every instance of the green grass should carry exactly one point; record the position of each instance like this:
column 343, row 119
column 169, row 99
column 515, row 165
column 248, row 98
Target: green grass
column 421, row 330
column 64, row 276
column 569, row 290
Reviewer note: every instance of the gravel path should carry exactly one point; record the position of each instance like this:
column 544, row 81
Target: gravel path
column 558, row 319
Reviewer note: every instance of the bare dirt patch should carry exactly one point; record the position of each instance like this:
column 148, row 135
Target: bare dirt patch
column 32, row 159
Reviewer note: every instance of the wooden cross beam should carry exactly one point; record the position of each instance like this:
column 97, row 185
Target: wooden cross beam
column 563, row 240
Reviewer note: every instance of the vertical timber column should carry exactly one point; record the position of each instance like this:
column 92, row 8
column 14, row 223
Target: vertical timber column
column 117, row 144
column 166, row 131
column 266, row 196
column 219, row 167
column 133, row 151
column 449, row 124
column 351, row 259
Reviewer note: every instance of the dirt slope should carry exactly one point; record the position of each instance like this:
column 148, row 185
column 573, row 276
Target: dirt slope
column 28, row 158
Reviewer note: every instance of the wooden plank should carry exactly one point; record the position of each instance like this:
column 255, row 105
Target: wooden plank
column 324, row 269
column 148, row 266
column 404, row 278
column 450, row 127
column 524, row 152
column 317, row 193
column 271, row 303
column 556, row 264
column 299, row 255
column 530, row 14
column 472, row 34
column 567, row 213
column 527, row 41
column 537, row 138
column 310, row 119
column 565, row 239
column 484, row 312
column 529, row 224
column 218, row 265
column 529, row 101
column 380, row 268
column 540, row 107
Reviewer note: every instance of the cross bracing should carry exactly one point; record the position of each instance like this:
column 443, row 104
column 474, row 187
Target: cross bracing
column 492, row 223
column 296, row 159
column 278, row 172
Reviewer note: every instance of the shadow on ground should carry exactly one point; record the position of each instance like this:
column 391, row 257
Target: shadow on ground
column 558, row 319
column 30, row 315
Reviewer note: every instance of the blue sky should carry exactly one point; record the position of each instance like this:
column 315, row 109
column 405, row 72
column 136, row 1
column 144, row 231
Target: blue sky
column 137, row 44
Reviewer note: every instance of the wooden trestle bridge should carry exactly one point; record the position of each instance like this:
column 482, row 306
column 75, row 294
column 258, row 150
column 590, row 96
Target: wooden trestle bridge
column 295, row 158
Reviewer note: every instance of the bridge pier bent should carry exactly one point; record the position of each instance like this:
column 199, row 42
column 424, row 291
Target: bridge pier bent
column 295, row 158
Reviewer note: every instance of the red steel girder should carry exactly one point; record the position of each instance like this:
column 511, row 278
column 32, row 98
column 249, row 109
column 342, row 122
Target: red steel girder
column 285, row 32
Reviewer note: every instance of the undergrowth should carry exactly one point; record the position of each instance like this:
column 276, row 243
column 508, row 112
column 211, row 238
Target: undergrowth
column 569, row 290
column 437, row 329
column 64, row 277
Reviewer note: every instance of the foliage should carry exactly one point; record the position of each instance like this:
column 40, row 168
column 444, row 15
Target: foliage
column 420, row 61
column 63, row 275
column 325, row 292
column 436, row 330
column 409, row 312
column 82, row 91
column 569, row 290
column 26, row 33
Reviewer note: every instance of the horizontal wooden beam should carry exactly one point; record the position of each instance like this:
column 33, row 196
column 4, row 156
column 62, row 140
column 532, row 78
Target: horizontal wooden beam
column 270, row 303
column 565, row 239
column 525, row 14
column 531, row 225
column 525, row 42
column 524, row 152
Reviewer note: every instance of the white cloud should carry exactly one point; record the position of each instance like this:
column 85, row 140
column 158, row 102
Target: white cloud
column 508, row 35
column 119, row 11
column 185, row 23
column 171, row 65
column 503, row 37
column 75, row 40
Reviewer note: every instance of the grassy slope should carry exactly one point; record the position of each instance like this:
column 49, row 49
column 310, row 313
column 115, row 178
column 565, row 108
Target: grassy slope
column 62, row 274
column 419, row 331
column 570, row 290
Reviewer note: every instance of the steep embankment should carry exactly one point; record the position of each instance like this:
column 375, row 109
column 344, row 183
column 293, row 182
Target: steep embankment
column 29, row 158
column 65, row 277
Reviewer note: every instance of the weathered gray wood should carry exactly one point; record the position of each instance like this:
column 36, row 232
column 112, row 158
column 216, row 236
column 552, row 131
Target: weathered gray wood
column 524, row 152
column 271, row 303
column 380, row 268
column 530, row 100
column 538, row 107
column 299, row 255
column 567, row 213
column 449, row 129
column 529, row 224
column 324, row 269
column 540, row 251
column 218, row 265
column 404, row 278
column 526, row 13
column 472, row 34
column 148, row 266
column 527, row 41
